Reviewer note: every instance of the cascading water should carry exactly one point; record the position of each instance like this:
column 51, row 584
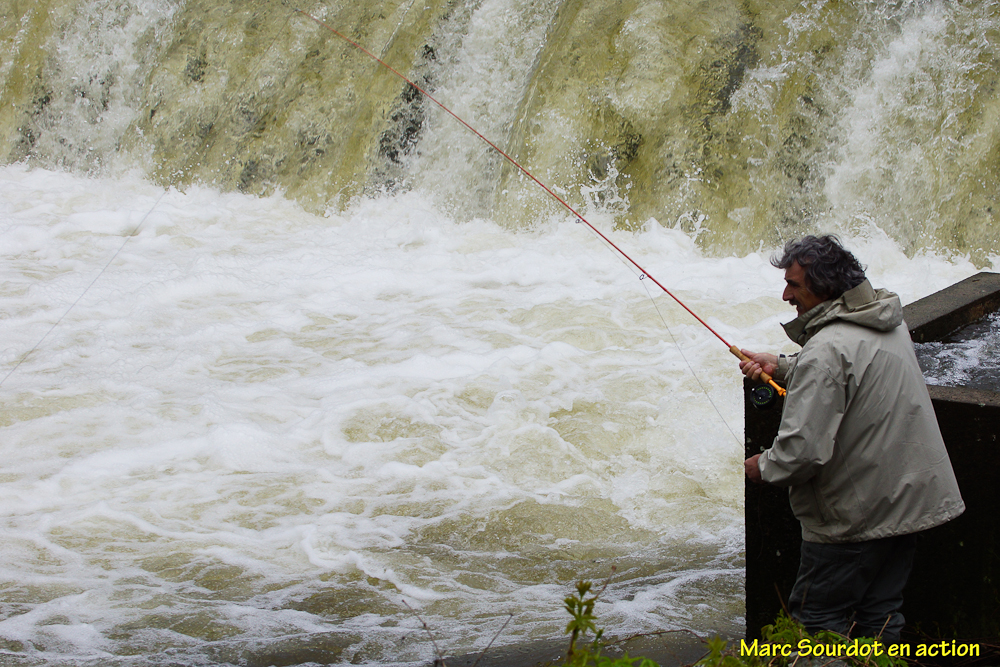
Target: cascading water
column 327, row 352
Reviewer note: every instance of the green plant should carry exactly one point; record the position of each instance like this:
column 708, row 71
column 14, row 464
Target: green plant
column 581, row 609
column 787, row 641
column 717, row 655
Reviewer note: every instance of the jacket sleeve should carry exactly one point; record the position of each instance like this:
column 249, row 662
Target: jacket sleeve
column 786, row 364
column 814, row 408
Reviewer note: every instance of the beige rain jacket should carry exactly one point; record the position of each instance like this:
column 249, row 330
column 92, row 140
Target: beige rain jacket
column 859, row 445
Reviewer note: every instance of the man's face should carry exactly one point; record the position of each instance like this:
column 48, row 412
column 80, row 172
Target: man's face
column 797, row 290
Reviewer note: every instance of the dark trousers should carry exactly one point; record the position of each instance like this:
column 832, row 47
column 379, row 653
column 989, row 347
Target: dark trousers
column 855, row 589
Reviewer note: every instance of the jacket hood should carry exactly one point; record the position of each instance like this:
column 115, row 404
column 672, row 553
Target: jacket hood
column 863, row 305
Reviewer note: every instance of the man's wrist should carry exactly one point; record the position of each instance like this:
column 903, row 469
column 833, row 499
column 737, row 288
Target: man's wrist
column 781, row 369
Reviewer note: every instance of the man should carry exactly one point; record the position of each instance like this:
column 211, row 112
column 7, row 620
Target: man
column 858, row 445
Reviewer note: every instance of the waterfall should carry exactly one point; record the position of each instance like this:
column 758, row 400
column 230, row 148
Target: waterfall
column 743, row 123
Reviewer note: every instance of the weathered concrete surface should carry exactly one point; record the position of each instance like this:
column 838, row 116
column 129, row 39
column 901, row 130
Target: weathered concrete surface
column 934, row 317
column 954, row 590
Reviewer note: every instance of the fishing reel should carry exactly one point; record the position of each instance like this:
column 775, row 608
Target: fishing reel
column 763, row 397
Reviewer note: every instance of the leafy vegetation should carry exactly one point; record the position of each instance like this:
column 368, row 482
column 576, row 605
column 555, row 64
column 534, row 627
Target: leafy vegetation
column 581, row 608
column 782, row 644
column 787, row 641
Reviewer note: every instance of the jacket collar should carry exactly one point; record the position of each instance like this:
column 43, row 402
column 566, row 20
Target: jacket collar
column 806, row 325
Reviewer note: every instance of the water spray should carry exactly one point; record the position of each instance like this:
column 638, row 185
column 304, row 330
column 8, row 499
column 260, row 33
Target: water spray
column 643, row 273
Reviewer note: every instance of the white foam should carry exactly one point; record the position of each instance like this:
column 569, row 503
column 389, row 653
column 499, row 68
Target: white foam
column 256, row 404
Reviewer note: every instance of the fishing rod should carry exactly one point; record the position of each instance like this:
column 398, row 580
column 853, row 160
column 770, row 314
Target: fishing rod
column 643, row 272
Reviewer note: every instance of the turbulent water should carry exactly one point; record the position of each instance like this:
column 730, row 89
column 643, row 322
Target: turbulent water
column 967, row 358
column 290, row 357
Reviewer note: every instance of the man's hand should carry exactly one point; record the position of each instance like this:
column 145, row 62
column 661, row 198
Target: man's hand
column 752, row 468
column 759, row 361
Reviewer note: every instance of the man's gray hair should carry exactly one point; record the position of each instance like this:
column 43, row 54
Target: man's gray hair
column 830, row 269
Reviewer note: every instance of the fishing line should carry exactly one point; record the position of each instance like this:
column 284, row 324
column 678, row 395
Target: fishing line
column 645, row 274
column 680, row 350
column 135, row 231
column 697, row 379
column 100, row 273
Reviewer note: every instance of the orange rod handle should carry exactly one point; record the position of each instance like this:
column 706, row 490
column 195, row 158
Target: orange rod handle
column 763, row 376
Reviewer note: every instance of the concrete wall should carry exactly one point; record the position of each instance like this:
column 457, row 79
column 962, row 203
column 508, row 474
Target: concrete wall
column 954, row 590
